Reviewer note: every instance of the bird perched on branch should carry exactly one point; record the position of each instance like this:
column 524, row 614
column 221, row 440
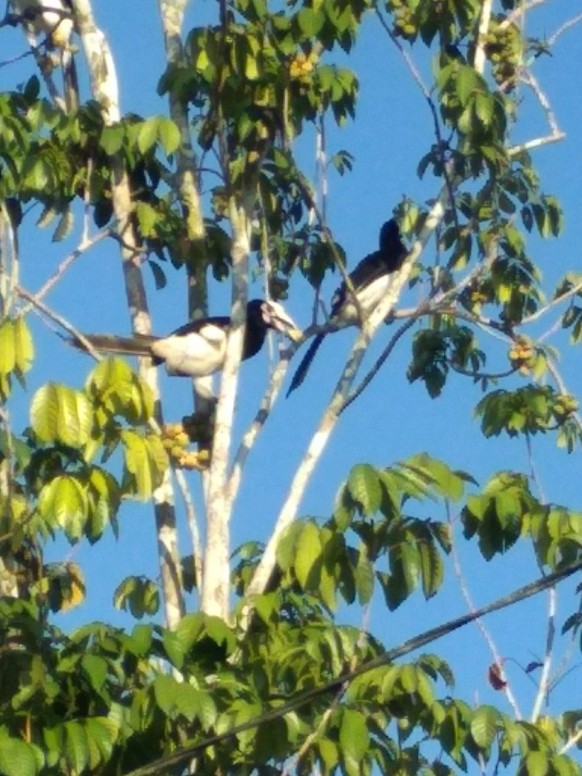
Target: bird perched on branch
column 198, row 348
column 370, row 281
column 51, row 23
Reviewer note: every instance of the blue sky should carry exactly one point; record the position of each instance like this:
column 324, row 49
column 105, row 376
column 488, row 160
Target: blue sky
column 393, row 419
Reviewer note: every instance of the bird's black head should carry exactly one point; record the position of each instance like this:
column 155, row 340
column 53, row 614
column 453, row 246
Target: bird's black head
column 271, row 315
column 392, row 249
column 390, row 236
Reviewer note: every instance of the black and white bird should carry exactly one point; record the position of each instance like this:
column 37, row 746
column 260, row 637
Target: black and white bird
column 50, row 23
column 371, row 280
column 198, row 348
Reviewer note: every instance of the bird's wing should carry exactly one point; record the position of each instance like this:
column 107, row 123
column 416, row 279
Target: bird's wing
column 369, row 269
column 303, row 368
column 215, row 322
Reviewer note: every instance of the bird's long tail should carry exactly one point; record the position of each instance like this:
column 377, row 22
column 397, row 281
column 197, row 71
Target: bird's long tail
column 303, row 368
column 140, row 345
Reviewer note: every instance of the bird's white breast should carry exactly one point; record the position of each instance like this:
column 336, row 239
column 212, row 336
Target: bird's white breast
column 197, row 354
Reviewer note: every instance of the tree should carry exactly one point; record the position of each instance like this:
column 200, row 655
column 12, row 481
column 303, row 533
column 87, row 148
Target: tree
column 259, row 674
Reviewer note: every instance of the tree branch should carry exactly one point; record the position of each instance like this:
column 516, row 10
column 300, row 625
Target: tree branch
column 105, row 90
column 387, row 657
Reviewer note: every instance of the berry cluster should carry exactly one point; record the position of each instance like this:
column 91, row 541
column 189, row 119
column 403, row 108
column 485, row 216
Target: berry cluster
column 405, row 23
column 504, row 49
column 176, row 437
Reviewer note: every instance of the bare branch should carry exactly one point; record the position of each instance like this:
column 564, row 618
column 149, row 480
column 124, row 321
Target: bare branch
column 68, row 261
column 216, row 580
column 353, row 395
column 256, row 426
column 566, row 26
column 192, row 523
column 558, row 300
column 572, row 741
column 440, row 143
column 522, row 9
column 484, row 21
column 545, row 679
column 104, row 87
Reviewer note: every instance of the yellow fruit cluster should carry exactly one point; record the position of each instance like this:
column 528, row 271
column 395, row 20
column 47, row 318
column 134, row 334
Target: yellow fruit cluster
column 504, row 49
column 177, row 436
column 565, row 405
column 522, row 355
column 301, row 65
column 404, row 21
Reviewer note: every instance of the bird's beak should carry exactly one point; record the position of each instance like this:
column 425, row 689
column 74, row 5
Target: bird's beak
column 276, row 317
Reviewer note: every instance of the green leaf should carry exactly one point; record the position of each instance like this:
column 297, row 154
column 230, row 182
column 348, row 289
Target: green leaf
column 112, row 138
column 148, row 134
column 76, row 749
column 7, row 347
column 60, row 414
column 354, row 735
column 147, row 217
column 96, row 669
column 174, row 648
column 17, row 758
column 484, row 727
column 63, row 503
column 187, row 701
column 169, row 135
column 364, row 577
column 308, row 554
column 484, row 108
column 145, row 461
column 166, row 691
column 365, row 488
column 449, row 483
column 465, row 83
column 23, row 345
column 189, row 629
column 535, row 764
column 431, row 566
column 329, row 753
column 102, row 733
column 65, row 225
column 310, row 21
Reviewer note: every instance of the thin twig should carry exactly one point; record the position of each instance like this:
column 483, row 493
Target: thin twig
column 558, row 300
column 566, row 26
column 529, row 79
column 440, row 142
column 497, row 659
column 256, row 426
column 192, row 523
column 58, row 319
column 353, row 395
column 66, row 263
column 572, row 741
column 544, row 682
column 522, row 9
